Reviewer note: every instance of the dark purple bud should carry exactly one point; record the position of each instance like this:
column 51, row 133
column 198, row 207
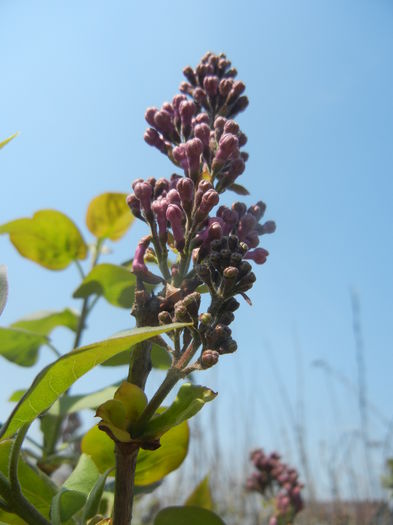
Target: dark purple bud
column 135, row 206
column 252, row 239
column 173, row 180
column 242, row 139
column 143, row 192
column 214, row 231
column 211, row 85
column 185, row 87
column 209, row 358
column 268, row 227
column 188, row 72
column 237, row 167
column 240, row 208
column 161, row 186
column 177, row 100
column 202, row 132
column 175, row 216
column 231, row 127
column 180, row 156
column 245, row 156
column 259, row 255
column 202, row 118
column 247, row 223
column 138, row 263
column 231, row 72
column 225, row 86
column 149, row 116
column 258, row 210
column 209, row 200
column 199, row 96
column 167, row 106
column 185, row 187
column 239, row 106
column 153, row 138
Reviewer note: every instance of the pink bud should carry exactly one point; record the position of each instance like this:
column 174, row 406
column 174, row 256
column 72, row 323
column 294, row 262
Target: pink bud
column 144, row 191
column 149, row 115
column 259, row 255
column 175, row 216
column 138, row 263
column 159, row 207
column 173, row 197
column 210, row 84
column 202, row 132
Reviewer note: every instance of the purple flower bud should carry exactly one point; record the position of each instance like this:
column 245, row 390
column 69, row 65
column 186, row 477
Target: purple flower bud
column 167, row 106
column 252, row 239
column 149, row 116
column 231, row 127
column 138, row 263
column 209, row 200
column 242, row 139
column 135, row 182
column 240, row 208
column 177, row 100
column 228, row 146
column 153, row 138
column 144, row 191
column 202, row 118
column 174, row 178
column 185, row 187
column 159, row 207
column 186, row 110
column 161, row 186
column 219, row 123
column 211, row 85
column 163, row 122
column 244, row 155
column 240, row 105
column 175, row 216
column 185, row 87
column 194, row 149
column 209, row 358
column 135, row 206
column 259, row 255
column 188, row 72
column 199, row 96
column 237, row 167
column 173, row 197
column 180, row 156
column 225, row 86
column 268, row 227
column 258, row 210
column 202, row 132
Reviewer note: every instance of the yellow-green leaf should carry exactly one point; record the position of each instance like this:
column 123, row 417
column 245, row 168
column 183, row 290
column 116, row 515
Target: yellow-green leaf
column 152, row 465
column 7, row 140
column 115, row 283
column 44, row 322
column 3, row 287
column 56, row 378
column 201, row 495
column 108, row 216
column 49, row 238
column 20, row 346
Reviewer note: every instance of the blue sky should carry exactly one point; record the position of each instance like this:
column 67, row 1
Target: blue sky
column 76, row 79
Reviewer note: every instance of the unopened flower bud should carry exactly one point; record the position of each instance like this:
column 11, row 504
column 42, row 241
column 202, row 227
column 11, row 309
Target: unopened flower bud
column 134, row 205
column 186, row 109
column 181, row 313
column 185, row 188
column 143, row 192
column 225, row 86
column 138, row 263
column 239, row 106
column 202, row 132
column 199, row 96
column 192, row 302
column 242, row 140
column 188, row 72
column 164, row 318
column 231, row 304
column 268, row 227
column 231, row 127
column 210, row 84
column 149, row 116
column 240, row 208
column 163, row 122
column 175, row 216
column 244, row 268
column 173, row 197
column 258, row 210
column 227, row 318
column 194, row 149
column 209, row 358
column 258, row 255
column 159, row 207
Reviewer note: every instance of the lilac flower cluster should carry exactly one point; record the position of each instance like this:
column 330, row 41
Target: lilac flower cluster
column 196, row 131
column 274, row 479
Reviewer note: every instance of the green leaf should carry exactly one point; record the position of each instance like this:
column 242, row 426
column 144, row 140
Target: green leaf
column 20, row 346
column 93, row 501
column 160, row 358
column 36, row 487
column 21, row 341
column 3, row 287
column 115, row 283
column 201, row 495
column 7, row 140
column 44, row 322
column 108, row 216
column 71, row 404
column 49, row 238
column 84, row 476
column 152, row 465
column 189, row 400
column 56, row 378
column 64, row 505
column 189, row 515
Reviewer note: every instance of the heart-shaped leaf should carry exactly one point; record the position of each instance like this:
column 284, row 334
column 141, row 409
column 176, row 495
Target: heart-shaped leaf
column 49, row 238
column 3, row 287
column 20, row 346
column 152, row 465
column 56, row 378
column 108, row 216
column 115, row 283
column 189, row 515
